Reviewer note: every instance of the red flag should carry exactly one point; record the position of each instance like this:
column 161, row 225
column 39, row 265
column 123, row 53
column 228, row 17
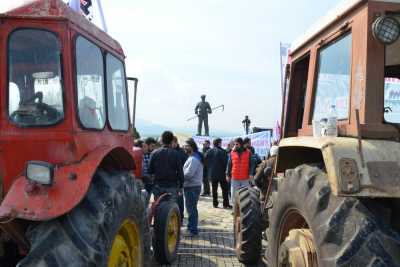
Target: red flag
column 278, row 130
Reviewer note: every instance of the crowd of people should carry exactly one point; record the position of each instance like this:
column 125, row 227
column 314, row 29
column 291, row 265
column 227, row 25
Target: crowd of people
column 186, row 173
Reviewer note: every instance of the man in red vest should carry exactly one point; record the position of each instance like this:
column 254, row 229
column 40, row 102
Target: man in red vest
column 240, row 168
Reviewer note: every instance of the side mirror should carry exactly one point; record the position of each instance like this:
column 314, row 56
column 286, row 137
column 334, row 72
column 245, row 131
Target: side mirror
column 132, row 92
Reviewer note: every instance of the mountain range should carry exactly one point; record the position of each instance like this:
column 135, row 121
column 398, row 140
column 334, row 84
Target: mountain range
column 147, row 128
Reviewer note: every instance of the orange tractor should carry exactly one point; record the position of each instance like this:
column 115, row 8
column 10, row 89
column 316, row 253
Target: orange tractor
column 334, row 196
column 67, row 188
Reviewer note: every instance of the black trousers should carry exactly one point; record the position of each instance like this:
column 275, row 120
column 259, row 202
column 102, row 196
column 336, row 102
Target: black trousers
column 206, row 185
column 225, row 191
column 159, row 190
column 200, row 125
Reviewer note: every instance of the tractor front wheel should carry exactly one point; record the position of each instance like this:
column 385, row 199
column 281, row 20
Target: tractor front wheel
column 167, row 225
column 310, row 226
column 108, row 228
column 247, row 225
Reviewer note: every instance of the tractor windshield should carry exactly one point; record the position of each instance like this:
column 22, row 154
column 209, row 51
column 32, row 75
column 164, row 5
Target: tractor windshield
column 35, row 84
column 392, row 81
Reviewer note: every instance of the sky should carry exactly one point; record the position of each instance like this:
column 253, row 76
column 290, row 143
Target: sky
column 226, row 49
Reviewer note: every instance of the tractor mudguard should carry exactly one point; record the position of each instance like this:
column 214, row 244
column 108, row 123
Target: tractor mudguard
column 369, row 170
column 40, row 203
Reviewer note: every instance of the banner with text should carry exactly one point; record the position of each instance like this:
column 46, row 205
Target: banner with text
column 260, row 141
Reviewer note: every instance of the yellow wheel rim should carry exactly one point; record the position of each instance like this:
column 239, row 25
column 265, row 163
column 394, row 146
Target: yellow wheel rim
column 173, row 232
column 126, row 249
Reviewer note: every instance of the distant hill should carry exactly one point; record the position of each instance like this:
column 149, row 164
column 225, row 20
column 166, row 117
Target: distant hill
column 146, row 128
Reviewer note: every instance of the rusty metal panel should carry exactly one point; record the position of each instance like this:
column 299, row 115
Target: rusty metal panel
column 367, row 79
column 385, row 175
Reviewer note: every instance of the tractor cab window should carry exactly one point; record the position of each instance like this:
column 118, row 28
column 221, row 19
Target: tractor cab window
column 392, row 81
column 116, row 94
column 297, row 96
column 333, row 80
column 90, row 84
column 35, row 96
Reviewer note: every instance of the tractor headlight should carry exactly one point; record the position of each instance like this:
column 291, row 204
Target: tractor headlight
column 40, row 172
column 386, row 29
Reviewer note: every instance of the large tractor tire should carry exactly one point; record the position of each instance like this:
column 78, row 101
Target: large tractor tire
column 309, row 226
column 166, row 236
column 9, row 254
column 108, row 228
column 247, row 226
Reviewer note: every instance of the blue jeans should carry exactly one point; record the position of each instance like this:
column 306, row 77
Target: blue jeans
column 192, row 195
column 181, row 206
column 236, row 185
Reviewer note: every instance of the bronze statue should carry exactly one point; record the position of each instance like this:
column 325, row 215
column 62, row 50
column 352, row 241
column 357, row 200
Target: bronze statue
column 246, row 124
column 202, row 110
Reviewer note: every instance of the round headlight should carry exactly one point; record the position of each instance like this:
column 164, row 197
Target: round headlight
column 386, row 29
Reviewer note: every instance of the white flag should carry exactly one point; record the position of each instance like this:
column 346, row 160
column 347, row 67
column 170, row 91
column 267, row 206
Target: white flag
column 91, row 9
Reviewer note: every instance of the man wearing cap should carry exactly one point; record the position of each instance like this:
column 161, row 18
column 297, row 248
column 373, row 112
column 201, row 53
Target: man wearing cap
column 202, row 110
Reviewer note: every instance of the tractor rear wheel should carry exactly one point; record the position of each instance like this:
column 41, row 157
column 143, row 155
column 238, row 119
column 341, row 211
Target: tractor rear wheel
column 108, row 228
column 309, row 226
column 247, row 225
column 167, row 225
column 9, row 254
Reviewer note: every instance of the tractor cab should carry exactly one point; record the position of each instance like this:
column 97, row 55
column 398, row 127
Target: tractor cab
column 348, row 60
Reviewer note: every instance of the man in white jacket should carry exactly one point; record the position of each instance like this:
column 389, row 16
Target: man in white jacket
column 193, row 178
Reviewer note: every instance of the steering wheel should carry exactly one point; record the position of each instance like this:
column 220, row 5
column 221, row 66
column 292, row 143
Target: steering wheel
column 36, row 111
column 47, row 111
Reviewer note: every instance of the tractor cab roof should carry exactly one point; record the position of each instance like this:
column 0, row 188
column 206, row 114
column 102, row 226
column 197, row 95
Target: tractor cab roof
column 57, row 10
column 341, row 10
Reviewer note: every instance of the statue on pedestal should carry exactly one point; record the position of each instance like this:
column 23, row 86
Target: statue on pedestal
column 202, row 110
column 246, row 124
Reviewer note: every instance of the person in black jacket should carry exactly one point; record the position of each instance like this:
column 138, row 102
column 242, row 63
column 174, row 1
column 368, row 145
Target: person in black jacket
column 206, row 181
column 166, row 166
column 183, row 156
column 255, row 158
column 216, row 159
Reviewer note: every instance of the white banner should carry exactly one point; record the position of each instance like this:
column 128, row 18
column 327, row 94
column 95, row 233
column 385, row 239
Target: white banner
column 260, row 141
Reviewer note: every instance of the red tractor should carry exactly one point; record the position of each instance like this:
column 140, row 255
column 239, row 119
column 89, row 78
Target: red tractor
column 67, row 188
